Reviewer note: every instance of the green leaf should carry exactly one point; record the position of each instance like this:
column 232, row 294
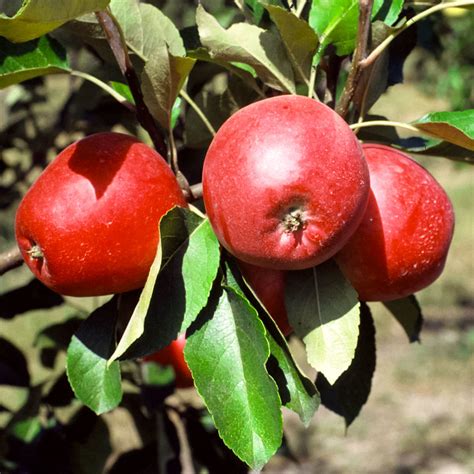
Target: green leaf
column 407, row 311
column 298, row 37
column 247, row 44
column 175, row 112
column 336, row 22
column 297, row 392
column 27, row 429
column 389, row 11
column 162, row 79
column 144, row 26
column 226, row 350
column 95, row 382
column 453, row 127
column 20, row 62
column 37, row 17
column 158, row 29
column 257, row 9
column 351, row 391
column 177, row 287
column 323, row 309
column 123, row 90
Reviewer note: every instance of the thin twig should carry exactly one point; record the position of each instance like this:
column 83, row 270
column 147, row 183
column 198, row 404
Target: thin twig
column 382, row 46
column 198, row 111
column 10, row 259
column 117, row 43
column 119, row 98
column 193, row 193
column 360, row 53
column 384, row 123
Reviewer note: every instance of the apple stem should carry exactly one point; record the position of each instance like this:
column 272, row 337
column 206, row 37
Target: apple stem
column 35, row 252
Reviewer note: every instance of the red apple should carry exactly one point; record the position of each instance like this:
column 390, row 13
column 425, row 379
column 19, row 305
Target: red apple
column 285, row 183
column 402, row 243
column 173, row 355
column 269, row 287
column 89, row 224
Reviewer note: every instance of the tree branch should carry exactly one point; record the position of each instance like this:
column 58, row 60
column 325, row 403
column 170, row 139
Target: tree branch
column 365, row 62
column 10, row 259
column 117, row 43
column 360, row 53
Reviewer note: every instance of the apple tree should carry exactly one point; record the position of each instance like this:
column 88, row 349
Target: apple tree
column 195, row 349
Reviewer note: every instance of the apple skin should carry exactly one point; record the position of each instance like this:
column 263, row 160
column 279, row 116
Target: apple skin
column 269, row 287
column 173, row 355
column 285, row 183
column 93, row 214
column 403, row 241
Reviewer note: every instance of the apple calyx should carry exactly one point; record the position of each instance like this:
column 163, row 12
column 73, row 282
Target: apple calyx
column 294, row 221
column 35, row 252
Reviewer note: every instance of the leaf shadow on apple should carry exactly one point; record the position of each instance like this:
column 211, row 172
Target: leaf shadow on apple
column 102, row 173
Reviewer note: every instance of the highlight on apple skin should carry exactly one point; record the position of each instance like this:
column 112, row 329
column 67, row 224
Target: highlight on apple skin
column 402, row 243
column 285, row 183
column 89, row 224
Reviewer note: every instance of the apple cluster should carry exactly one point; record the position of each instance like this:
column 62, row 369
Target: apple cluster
column 286, row 186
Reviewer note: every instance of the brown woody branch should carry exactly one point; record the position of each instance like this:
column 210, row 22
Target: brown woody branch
column 116, row 40
column 10, row 259
column 360, row 53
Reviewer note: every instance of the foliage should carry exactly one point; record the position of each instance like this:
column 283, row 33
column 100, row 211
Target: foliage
column 179, row 74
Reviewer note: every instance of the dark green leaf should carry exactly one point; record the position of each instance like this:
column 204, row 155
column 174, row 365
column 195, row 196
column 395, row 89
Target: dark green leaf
column 297, row 392
column 95, row 382
column 298, row 37
column 407, row 311
column 323, row 309
column 162, row 79
column 178, row 285
column 37, row 17
column 350, row 392
column 227, row 351
column 247, row 44
column 453, row 127
column 19, row 62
